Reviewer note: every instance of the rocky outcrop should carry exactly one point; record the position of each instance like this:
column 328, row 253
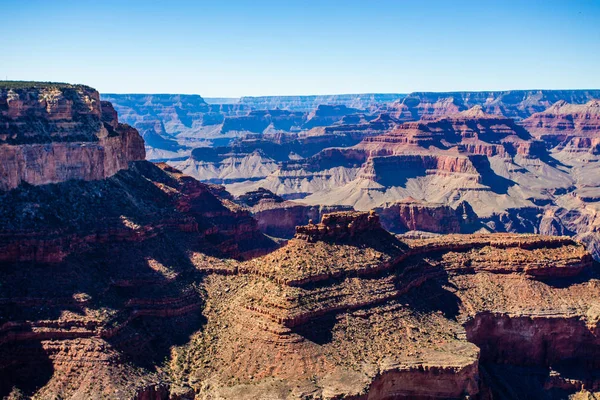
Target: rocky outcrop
column 56, row 133
column 368, row 316
column 26, row 236
column 339, row 226
column 98, row 272
column 278, row 217
column 413, row 215
column 260, row 196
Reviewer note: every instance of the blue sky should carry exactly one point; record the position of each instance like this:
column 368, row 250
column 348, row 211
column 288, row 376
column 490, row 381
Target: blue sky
column 267, row 47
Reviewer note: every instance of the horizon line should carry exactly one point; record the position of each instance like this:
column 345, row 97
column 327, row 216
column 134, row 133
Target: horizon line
column 347, row 93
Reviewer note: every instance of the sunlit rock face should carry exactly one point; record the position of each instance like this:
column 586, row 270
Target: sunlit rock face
column 56, row 132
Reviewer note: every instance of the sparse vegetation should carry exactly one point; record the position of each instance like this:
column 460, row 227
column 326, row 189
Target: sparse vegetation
column 6, row 85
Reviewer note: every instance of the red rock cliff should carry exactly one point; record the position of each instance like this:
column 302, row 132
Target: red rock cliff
column 52, row 133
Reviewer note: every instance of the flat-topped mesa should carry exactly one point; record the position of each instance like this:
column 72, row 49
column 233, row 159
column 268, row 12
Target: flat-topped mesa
column 408, row 134
column 340, row 226
column 325, row 115
column 51, row 133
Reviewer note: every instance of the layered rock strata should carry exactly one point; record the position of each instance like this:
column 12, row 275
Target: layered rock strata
column 565, row 119
column 148, row 284
column 54, row 133
column 346, row 310
column 413, row 215
column 278, row 217
column 516, row 104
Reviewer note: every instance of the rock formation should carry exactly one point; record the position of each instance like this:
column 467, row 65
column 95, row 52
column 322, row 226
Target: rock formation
column 412, row 215
column 97, row 271
column 569, row 128
column 340, row 226
column 445, row 160
column 345, row 310
column 510, row 176
column 278, row 217
column 58, row 132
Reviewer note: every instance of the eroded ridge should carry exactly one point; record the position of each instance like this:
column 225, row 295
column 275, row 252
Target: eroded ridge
column 346, row 309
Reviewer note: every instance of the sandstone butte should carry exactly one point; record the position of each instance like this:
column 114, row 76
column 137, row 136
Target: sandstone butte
column 140, row 282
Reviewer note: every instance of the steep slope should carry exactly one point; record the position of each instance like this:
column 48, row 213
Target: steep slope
column 98, row 276
column 345, row 310
column 53, row 133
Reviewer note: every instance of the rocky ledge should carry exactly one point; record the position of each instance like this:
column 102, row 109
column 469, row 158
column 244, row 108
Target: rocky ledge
column 414, row 215
column 52, row 133
column 278, row 217
column 339, row 226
